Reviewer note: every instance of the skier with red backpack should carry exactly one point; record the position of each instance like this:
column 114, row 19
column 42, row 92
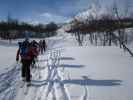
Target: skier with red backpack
column 26, row 53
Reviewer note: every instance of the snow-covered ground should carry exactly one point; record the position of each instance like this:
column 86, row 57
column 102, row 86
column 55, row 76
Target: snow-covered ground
column 69, row 72
column 7, row 54
column 102, row 73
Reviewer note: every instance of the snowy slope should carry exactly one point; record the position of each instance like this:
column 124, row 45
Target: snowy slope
column 104, row 72
column 69, row 72
column 6, row 57
column 97, row 73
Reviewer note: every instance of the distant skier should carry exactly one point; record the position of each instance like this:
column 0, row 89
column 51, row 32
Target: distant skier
column 44, row 45
column 41, row 46
column 26, row 53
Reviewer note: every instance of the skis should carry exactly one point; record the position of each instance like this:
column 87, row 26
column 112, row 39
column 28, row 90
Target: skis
column 22, row 84
column 26, row 89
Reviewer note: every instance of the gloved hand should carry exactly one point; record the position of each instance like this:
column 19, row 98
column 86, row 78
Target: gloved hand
column 17, row 59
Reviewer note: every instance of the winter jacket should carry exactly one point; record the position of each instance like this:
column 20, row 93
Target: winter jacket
column 29, row 55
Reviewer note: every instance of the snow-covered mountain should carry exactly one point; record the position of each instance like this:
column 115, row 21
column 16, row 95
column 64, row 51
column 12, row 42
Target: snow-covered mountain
column 93, row 12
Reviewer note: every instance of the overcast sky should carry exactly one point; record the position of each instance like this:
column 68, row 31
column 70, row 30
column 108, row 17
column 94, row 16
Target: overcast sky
column 47, row 10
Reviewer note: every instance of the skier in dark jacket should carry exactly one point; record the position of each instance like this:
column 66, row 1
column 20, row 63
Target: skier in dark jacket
column 44, row 45
column 35, row 48
column 41, row 46
column 26, row 53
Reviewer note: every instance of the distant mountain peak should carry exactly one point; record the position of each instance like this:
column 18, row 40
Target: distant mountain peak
column 93, row 12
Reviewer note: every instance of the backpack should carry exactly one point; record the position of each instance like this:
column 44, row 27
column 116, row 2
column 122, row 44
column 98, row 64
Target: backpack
column 23, row 46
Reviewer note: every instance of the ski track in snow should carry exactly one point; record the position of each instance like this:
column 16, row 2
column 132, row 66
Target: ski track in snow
column 9, row 86
column 55, row 89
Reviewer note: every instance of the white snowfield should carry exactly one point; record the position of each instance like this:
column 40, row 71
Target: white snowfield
column 69, row 72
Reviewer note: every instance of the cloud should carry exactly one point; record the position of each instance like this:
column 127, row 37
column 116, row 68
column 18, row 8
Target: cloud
column 47, row 17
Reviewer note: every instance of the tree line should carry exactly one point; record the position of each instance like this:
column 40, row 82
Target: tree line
column 12, row 29
column 107, row 30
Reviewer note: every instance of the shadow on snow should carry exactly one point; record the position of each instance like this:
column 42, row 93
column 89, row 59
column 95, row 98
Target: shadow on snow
column 93, row 82
column 61, row 58
column 84, row 82
column 71, row 66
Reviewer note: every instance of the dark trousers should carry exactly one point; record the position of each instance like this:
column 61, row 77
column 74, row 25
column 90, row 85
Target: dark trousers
column 33, row 61
column 25, row 72
column 44, row 48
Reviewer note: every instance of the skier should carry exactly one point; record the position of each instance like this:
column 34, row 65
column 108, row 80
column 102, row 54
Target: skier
column 44, row 45
column 26, row 54
column 35, row 48
column 41, row 46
